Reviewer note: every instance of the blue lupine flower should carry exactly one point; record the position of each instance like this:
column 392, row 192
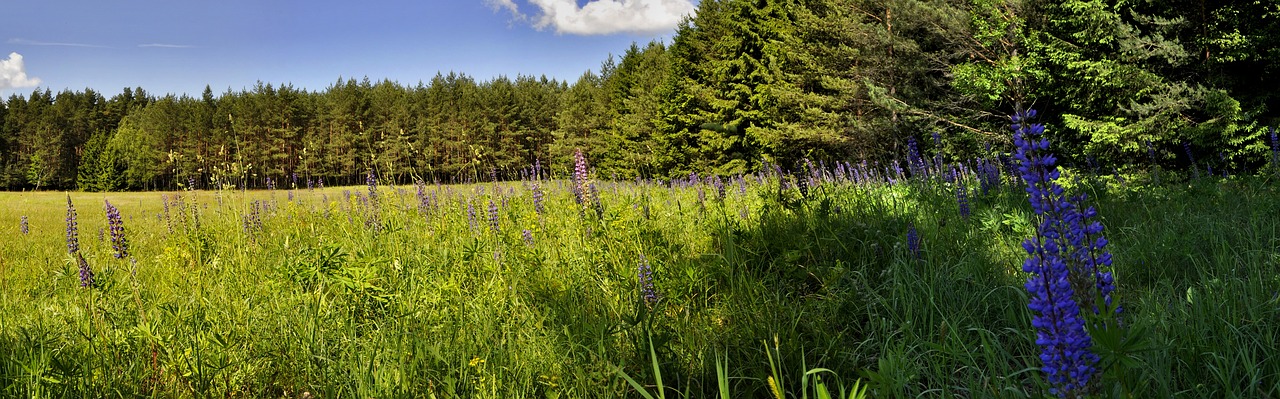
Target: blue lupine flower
column 644, row 276
column 471, row 215
column 73, row 229
column 537, row 197
column 372, row 181
column 579, row 177
column 86, row 273
column 23, row 225
column 116, row 226
column 528, row 237
column 913, row 240
column 1064, row 256
column 915, row 162
column 962, row 196
column 493, row 215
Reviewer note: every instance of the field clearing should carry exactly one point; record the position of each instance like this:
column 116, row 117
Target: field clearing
column 419, row 291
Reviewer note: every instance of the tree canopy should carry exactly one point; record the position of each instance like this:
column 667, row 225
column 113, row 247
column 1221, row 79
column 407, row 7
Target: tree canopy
column 743, row 83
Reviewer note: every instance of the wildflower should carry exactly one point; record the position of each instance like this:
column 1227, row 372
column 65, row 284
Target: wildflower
column 644, row 275
column 537, row 197
column 719, row 186
column 116, row 226
column 86, row 273
column 23, row 225
column 1065, row 344
column 528, row 237
column 593, row 196
column 372, row 180
column 424, row 202
column 73, row 229
column 471, row 215
column 962, row 196
column 913, row 240
column 579, row 176
column 493, row 215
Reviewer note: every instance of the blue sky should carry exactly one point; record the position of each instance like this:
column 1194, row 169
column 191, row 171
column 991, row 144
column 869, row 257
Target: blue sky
column 180, row 46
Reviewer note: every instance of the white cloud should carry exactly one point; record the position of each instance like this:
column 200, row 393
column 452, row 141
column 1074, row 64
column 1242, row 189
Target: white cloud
column 508, row 5
column 40, row 43
column 13, row 74
column 165, row 45
column 601, row 17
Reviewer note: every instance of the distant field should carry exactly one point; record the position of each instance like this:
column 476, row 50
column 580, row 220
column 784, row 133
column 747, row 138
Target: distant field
column 444, row 291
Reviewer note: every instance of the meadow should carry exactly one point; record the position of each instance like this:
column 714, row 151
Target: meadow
column 771, row 285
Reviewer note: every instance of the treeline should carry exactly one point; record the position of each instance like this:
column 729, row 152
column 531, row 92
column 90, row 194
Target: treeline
column 1124, row 84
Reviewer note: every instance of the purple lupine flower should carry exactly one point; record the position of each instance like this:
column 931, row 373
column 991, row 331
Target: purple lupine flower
column 23, row 225
column 493, row 215
column 915, row 162
column 1065, row 344
column 719, row 186
column 293, row 177
column 372, row 181
column 814, row 174
column 253, row 221
column 537, row 197
column 528, row 237
column 424, row 202
column 644, row 276
column 593, row 197
column 86, row 273
column 471, row 215
column 579, row 176
column 1089, row 257
column 913, row 240
column 962, row 196
column 802, row 184
column 73, row 229
column 320, row 182
column 116, row 225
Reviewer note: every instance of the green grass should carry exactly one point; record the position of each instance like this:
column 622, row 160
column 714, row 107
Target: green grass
column 800, row 291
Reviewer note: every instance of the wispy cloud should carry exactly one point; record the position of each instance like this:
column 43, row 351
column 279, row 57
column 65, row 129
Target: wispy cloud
column 508, row 5
column 13, row 73
column 26, row 42
column 602, row 17
column 166, row 45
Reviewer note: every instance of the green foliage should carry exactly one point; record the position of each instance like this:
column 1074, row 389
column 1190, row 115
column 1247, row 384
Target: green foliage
column 742, row 83
column 317, row 302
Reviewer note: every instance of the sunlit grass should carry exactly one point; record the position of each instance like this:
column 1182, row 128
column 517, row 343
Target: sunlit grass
column 761, row 285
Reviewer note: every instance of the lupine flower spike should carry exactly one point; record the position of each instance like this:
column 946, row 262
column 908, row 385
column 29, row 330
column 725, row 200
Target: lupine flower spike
column 1064, row 253
column 644, row 276
column 86, row 273
column 73, row 229
column 116, row 226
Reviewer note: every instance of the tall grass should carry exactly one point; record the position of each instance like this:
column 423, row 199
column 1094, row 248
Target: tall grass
column 764, row 292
